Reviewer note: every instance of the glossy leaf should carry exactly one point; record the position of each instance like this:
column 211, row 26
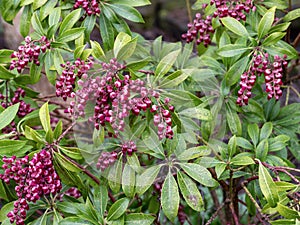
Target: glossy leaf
column 253, row 132
column 267, row 186
column 25, row 20
column 128, row 181
column 71, row 34
column 287, row 212
column 127, row 12
column 146, row 179
column 265, row 23
column 170, row 197
column 118, row 209
column 292, row 15
column 8, row 115
column 242, row 160
column 139, row 219
column 45, row 117
column 69, row 21
column 235, row 26
column 231, row 50
column 166, row 64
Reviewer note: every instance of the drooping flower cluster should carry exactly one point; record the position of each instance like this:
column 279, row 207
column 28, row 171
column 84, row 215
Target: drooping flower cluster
column 91, row 7
column 201, row 28
column 24, row 108
column 66, row 82
column 72, row 192
column 106, row 159
column 29, row 52
column 34, row 179
column 128, row 147
column 261, row 65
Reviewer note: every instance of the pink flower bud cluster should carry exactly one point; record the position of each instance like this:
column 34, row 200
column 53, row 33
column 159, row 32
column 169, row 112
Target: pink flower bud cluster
column 34, row 179
column 128, row 147
column 261, row 65
column 91, row 7
column 236, row 8
column 106, row 159
column 199, row 30
column 72, row 192
column 29, row 52
column 66, row 82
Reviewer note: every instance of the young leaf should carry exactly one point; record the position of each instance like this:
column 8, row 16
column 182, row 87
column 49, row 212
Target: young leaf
column 127, row 12
column 292, row 15
column 231, row 50
column 69, row 21
column 97, row 50
column 287, row 212
column 7, row 116
column 267, row 186
column 170, row 197
column 166, row 64
column 71, row 34
column 232, row 146
column 37, row 25
column 273, row 38
column 45, row 117
column 265, row 23
column 234, row 73
column 146, row 179
column 244, row 143
column 233, row 121
column 242, row 160
column 25, row 20
column 190, row 192
column 121, row 40
column 266, row 131
column 107, row 32
column 199, row 173
column 253, row 132
column 118, row 209
column 235, row 26
column 115, row 176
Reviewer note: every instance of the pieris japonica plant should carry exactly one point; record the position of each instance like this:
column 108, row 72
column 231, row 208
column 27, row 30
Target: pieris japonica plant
column 200, row 131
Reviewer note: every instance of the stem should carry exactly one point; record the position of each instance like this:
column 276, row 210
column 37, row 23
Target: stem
column 65, row 132
column 188, row 7
column 209, row 146
column 235, row 217
column 296, row 41
column 218, row 211
column 294, row 89
column 287, row 96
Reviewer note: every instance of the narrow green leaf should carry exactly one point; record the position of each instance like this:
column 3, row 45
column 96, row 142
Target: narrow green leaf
column 242, row 160
column 166, row 64
column 8, row 115
column 265, row 23
column 287, row 212
column 107, row 32
column 170, row 197
column 267, row 186
column 45, row 117
column 5, row 74
column 71, row 34
column 127, row 12
column 175, row 79
column 38, row 3
column 37, row 25
column 121, row 40
column 292, row 15
column 190, row 192
column 69, row 21
column 194, row 152
column 118, row 209
column 234, row 73
column 233, row 121
column 231, row 50
column 235, row 26
column 115, row 176
column 139, row 219
column 266, row 131
column 244, row 143
column 253, row 132
column 273, row 38
column 3, row 194
column 198, row 112
column 47, row 8
column 199, row 173
column 146, row 179
column 128, row 181
column 127, row 50
column 54, row 16
column 25, row 20
column 11, row 147
column 134, row 3
column 98, row 52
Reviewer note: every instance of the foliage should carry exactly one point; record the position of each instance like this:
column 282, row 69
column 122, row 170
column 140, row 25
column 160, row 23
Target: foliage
column 149, row 132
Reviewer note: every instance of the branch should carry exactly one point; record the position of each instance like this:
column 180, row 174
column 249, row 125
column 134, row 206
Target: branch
column 219, row 206
column 213, row 217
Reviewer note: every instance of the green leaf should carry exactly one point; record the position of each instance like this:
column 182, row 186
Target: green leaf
column 67, row 164
column 38, row 3
column 54, row 16
column 233, row 121
column 253, row 132
column 280, row 27
column 175, row 79
column 3, row 194
column 74, row 221
column 273, row 38
column 190, row 192
column 35, row 73
column 265, row 23
column 152, row 143
column 292, row 15
column 232, row 146
column 101, row 199
column 127, row 12
column 47, row 8
column 139, row 219
column 170, row 197
column 5, row 74
column 128, row 181
column 98, row 52
column 231, row 50
column 12, row 147
column 121, row 40
column 127, row 50
column 71, row 34
column 37, row 25
column 25, row 20
column 146, row 179
column 69, row 21
column 166, row 64
column 118, row 209
column 72, row 152
column 262, row 150
column 235, row 26
column 193, row 153
column 134, row 3
column 287, row 212
column 89, row 24
column 242, row 160
column 8, row 115
column 267, row 186
column 233, row 75
column 5, row 56
column 285, row 186
column 107, row 32
column 244, row 143
column 199, row 173
column 266, row 131
column 45, row 117
column 115, row 176
column 198, row 112
column 6, row 209
column 284, row 222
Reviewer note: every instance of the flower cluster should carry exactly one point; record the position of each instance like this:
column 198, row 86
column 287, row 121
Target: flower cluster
column 34, row 179
column 128, row 147
column 72, row 192
column 106, row 159
column 66, row 82
column 201, row 28
column 272, row 72
column 29, row 52
column 91, row 7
